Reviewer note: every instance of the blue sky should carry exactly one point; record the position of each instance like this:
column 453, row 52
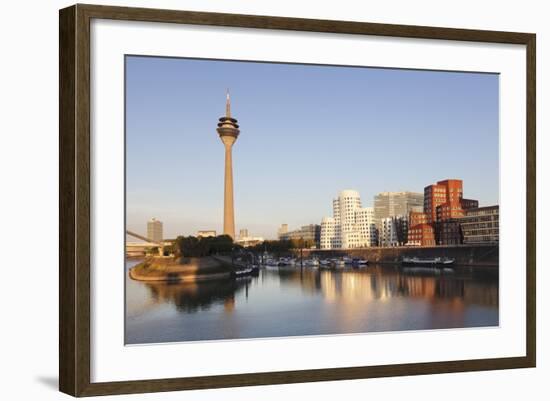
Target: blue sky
column 307, row 132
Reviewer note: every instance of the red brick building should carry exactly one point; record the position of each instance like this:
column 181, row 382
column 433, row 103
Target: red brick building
column 449, row 210
column 416, row 218
column 449, row 232
column 447, row 191
column 443, row 205
column 421, row 235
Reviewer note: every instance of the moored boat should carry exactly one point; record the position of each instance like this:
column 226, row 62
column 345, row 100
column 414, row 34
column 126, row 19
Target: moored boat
column 338, row 263
column 311, row 262
column 271, row 262
column 357, row 262
column 325, row 263
column 437, row 261
column 247, row 271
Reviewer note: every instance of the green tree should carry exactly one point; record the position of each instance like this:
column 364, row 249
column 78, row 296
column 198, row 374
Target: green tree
column 204, row 246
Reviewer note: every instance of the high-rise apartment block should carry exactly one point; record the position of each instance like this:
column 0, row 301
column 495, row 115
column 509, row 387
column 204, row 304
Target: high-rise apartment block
column 391, row 204
column 282, row 231
column 154, row 230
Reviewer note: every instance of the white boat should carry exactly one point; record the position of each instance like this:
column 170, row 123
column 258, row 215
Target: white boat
column 339, row 263
column 247, row 271
column 359, row 262
column 282, row 262
column 266, row 259
column 286, row 262
column 438, row 261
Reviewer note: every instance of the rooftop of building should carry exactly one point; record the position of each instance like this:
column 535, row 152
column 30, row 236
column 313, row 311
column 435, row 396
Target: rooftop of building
column 477, row 209
column 385, row 193
column 349, row 193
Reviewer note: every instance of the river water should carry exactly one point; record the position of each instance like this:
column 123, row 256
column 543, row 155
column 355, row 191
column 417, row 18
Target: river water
column 295, row 302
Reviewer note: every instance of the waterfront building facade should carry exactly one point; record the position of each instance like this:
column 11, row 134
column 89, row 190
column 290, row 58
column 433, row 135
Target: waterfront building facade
column 444, row 207
column 391, row 204
column 393, row 231
column 420, row 232
column 309, row 235
column 206, row 233
column 366, row 225
column 351, row 225
column 455, row 209
column 330, row 234
column 449, row 232
column 448, row 210
column 448, row 229
column 387, row 232
column 416, row 218
column 443, row 192
column 481, row 225
column 421, row 235
column 247, row 241
column 154, row 230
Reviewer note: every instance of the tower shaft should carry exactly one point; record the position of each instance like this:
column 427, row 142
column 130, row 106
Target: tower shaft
column 228, row 206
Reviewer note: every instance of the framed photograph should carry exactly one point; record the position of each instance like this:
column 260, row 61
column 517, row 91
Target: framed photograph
column 250, row 200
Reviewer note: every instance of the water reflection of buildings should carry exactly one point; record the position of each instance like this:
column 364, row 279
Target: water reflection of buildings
column 297, row 302
column 380, row 284
column 374, row 299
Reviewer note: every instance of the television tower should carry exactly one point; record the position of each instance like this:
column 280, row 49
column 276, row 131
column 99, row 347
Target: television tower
column 228, row 130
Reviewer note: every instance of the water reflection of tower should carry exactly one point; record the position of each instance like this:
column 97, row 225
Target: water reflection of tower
column 228, row 130
column 229, row 304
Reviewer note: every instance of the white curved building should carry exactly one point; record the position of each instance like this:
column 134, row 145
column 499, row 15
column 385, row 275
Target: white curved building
column 351, row 226
column 330, row 234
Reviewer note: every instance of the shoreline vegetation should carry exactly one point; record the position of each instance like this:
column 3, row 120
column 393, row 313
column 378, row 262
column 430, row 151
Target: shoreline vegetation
column 182, row 269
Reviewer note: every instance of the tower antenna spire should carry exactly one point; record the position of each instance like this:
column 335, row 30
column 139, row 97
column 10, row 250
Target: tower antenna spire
column 227, row 104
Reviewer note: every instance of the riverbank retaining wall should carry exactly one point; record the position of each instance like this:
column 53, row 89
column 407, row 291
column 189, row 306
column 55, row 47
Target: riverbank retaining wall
column 466, row 255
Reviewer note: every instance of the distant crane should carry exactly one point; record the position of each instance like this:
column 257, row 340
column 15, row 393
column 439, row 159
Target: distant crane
column 159, row 245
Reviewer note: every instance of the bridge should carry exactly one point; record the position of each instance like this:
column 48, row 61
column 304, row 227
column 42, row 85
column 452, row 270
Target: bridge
column 149, row 243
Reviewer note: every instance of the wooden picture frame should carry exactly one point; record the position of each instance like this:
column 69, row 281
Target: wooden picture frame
column 74, row 202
